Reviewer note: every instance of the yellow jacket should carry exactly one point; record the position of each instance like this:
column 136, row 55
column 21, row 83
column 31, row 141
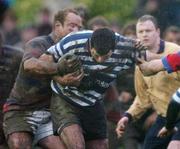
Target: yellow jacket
column 155, row 91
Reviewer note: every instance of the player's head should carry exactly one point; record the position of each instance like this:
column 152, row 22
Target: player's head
column 102, row 43
column 147, row 31
column 66, row 21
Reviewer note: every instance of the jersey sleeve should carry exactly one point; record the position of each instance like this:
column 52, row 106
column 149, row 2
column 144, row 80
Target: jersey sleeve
column 56, row 50
column 32, row 49
column 171, row 62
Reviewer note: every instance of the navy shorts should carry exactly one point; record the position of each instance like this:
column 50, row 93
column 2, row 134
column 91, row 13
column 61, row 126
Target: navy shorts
column 91, row 119
column 152, row 141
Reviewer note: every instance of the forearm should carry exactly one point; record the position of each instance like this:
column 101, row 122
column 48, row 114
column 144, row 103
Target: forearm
column 41, row 67
column 137, row 109
column 152, row 67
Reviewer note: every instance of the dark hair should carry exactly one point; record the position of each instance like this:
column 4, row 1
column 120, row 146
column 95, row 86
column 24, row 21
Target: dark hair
column 61, row 15
column 174, row 29
column 103, row 40
column 130, row 27
column 98, row 20
column 149, row 18
column 83, row 11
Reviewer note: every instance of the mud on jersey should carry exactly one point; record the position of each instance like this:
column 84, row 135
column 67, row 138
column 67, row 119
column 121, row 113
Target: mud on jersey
column 31, row 91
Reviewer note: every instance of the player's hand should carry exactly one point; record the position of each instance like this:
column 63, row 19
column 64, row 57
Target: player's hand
column 70, row 79
column 165, row 132
column 140, row 51
column 68, row 63
column 140, row 46
column 121, row 126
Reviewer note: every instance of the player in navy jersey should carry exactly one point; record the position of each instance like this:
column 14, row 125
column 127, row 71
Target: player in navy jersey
column 76, row 105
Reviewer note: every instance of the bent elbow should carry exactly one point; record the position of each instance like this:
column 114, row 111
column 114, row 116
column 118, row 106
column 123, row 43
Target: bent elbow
column 29, row 65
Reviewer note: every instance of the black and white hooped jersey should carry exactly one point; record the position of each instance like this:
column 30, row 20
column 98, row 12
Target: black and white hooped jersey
column 98, row 76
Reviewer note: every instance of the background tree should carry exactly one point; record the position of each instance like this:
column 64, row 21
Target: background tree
column 120, row 10
column 27, row 10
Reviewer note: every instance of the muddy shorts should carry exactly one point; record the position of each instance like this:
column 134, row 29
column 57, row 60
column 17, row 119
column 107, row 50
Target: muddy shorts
column 91, row 119
column 37, row 123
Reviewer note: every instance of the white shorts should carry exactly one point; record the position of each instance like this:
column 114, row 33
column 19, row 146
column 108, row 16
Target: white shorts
column 41, row 125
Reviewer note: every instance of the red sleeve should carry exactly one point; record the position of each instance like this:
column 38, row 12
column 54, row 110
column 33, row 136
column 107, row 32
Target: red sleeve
column 172, row 62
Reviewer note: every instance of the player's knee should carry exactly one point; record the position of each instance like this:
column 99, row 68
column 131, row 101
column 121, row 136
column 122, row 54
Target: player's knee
column 100, row 144
column 51, row 142
column 17, row 143
column 73, row 137
column 79, row 146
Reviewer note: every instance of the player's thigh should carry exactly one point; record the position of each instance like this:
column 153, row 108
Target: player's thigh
column 20, row 140
column 72, row 136
column 52, row 142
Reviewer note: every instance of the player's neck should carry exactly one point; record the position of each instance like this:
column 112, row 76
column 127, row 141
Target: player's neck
column 155, row 47
column 54, row 37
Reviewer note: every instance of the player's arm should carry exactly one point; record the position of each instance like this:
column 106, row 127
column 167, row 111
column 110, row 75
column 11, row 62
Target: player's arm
column 169, row 63
column 151, row 67
column 36, row 62
column 42, row 65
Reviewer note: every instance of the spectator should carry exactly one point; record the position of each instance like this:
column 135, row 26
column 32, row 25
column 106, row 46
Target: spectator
column 129, row 30
column 4, row 5
column 9, row 28
column 84, row 13
column 172, row 34
column 115, row 26
column 167, row 12
column 44, row 26
column 10, row 59
column 27, row 33
column 97, row 22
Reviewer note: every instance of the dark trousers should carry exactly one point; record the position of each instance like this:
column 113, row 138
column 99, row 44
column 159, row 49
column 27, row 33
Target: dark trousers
column 151, row 140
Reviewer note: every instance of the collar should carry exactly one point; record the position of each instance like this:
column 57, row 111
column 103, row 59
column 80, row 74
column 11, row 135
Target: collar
column 161, row 46
column 50, row 39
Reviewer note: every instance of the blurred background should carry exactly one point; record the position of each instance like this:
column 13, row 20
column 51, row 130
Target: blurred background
column 34, row 17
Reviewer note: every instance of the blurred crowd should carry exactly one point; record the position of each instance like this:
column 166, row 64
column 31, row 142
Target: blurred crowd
column 121, row 96
column 166, row 12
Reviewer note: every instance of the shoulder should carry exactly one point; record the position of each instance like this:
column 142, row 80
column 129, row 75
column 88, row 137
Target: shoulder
column 172, row 47
column 40, row 40
column 80, row 35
